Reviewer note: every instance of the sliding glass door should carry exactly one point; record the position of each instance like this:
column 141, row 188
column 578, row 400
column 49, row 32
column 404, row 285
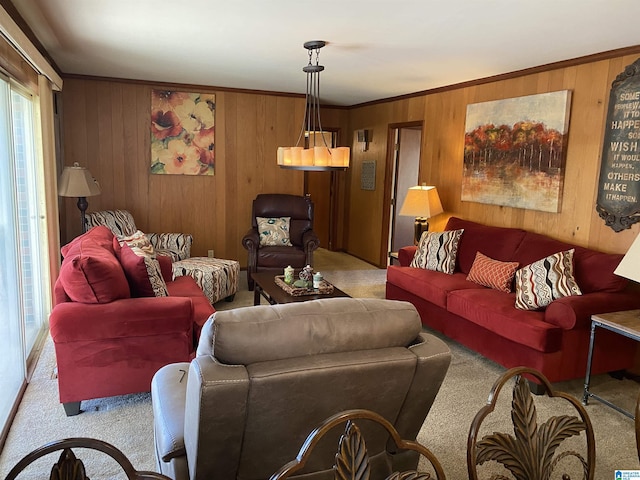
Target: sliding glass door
column 23, row 276
column 31, row 231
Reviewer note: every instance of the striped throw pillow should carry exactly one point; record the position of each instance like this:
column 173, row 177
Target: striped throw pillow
column 492, row 273
column 541, row 282
column 437, row 251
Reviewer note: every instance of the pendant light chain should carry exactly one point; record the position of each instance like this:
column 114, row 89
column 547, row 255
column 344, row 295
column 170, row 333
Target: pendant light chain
column 316, row 155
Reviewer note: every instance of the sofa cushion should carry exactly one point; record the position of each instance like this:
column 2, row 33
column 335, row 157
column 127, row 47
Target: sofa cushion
column 492, row 273
column 185, row 286
column 540, row 283
column 274, row 231
column 91, row 273
column 437, row 251
column 429, row 285
column 594, row 271
column 495, row 311
column 499, row 243
column 276, row 257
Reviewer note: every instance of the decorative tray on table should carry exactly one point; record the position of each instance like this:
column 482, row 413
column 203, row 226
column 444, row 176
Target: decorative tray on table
column 325, row 287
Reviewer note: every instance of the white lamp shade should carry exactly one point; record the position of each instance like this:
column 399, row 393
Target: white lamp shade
column 77, row 181
column 421, row 201
column 630, row 265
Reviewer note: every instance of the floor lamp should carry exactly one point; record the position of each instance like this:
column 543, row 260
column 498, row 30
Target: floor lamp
column 77, row 181
column 421, row 202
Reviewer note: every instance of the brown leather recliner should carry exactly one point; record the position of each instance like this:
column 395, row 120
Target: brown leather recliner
column 303, row 239
column 265, row 376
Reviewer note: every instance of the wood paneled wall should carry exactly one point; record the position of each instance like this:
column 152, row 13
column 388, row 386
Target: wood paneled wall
column 443, row 115
column 106, row 128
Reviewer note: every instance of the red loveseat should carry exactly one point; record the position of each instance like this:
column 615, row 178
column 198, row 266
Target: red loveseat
column 554, row 340
column 110, row 333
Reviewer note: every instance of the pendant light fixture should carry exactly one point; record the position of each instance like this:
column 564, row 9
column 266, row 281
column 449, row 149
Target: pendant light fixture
column 315, row 154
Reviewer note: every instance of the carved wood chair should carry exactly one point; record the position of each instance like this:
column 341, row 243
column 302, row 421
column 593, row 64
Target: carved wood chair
column 68, row 467
column 533, row 451
column 352, row 459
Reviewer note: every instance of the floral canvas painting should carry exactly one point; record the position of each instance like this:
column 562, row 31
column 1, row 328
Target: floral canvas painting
column 182, row 133
column 515, row 151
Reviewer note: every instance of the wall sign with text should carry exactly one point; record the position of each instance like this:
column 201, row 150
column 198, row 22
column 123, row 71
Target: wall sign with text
column 619, row 186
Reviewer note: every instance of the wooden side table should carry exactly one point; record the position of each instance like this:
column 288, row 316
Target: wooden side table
column 625, row 323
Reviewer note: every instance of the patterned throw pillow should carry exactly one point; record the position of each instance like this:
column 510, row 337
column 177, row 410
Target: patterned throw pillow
column 492, row 273
column 438, row 251
column 541, row 282
column 274, row 231
column 140, row 245
column 138, row 240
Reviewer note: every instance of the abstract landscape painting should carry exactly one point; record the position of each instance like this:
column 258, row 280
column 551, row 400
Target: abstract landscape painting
column 182, row 133
column 515, row 151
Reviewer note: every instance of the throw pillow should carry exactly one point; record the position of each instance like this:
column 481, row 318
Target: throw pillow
column 141, row 267
column 100, row 235
column 138, row 240
column 274, row 231
column 90, row 273
column 143, row 273
column 492, row 273
column 541, row 282
column 438, row 251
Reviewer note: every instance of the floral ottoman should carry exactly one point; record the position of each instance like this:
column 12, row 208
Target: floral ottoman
column 216, row 277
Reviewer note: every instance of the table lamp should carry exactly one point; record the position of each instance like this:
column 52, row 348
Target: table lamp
column 77, row 181
column 629, row 267
column 421, row 202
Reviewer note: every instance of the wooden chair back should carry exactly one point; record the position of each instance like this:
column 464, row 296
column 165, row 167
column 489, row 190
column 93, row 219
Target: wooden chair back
column 533, row 451
column 351, row 460
column 68, row 467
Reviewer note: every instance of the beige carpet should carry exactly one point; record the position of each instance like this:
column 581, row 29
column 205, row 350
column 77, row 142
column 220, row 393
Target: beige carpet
column 126, row 421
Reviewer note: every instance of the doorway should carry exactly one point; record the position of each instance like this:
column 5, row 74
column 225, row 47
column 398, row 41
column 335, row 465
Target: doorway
column 404, row 161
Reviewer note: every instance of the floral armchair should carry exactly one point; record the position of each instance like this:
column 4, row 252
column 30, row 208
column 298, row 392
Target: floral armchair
column 121, row 223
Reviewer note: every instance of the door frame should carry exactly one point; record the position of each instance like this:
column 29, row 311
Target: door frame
column 389, row 194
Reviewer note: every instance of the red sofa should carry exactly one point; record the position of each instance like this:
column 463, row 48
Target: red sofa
column 110, row 333
column 554, row 340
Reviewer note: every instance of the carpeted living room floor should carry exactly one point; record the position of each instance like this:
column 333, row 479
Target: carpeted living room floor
column 126, row 421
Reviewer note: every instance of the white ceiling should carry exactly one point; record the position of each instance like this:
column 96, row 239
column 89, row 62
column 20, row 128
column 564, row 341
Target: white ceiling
column 376, row 48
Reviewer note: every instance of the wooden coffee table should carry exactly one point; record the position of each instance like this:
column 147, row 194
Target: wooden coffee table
column 266, row 287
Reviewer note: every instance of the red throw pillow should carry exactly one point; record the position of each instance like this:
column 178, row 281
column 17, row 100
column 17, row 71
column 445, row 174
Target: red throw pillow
column 143, row 273
column 166, row 267
column 92, row 274
column 99, row 235
column 492, row 273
